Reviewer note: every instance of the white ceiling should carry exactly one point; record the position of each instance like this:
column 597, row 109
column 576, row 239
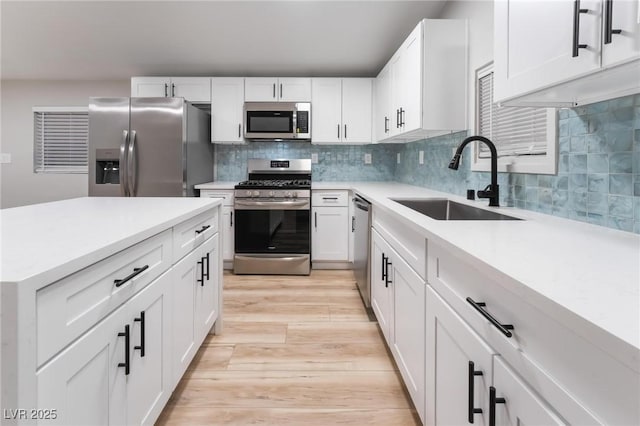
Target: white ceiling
column 94, row 40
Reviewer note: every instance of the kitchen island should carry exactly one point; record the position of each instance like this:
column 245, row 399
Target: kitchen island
column 104, row 302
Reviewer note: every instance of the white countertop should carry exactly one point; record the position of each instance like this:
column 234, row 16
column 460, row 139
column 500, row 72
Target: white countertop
column 591, row 272
column 216, row 185
column 42, row 243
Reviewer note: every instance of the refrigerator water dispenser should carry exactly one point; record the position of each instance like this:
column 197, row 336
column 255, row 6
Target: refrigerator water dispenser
column 107, row 166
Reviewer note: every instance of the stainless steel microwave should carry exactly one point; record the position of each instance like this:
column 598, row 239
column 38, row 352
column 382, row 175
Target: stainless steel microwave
column 277, row 120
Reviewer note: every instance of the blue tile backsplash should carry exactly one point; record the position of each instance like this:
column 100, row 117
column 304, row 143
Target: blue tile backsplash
column 598, row 179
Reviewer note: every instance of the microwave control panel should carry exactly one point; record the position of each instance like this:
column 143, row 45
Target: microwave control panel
column 302, row 124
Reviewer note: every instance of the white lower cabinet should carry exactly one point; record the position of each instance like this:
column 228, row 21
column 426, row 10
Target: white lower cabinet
column 458, row 368
column 330, row 234
column 195, row 303
column 398, row 301
column 104, row 377
column 330, row 226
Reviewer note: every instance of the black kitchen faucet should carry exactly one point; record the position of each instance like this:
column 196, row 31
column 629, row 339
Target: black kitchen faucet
column 491, row 191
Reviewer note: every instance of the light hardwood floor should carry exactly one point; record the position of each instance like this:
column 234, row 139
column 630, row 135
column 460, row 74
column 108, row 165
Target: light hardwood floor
column 294, row 351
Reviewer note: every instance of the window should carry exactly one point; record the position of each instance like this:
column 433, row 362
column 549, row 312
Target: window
column 60, row 140
column 525, row 138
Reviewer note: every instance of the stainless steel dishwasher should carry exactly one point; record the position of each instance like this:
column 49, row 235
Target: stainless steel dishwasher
column 361, row 261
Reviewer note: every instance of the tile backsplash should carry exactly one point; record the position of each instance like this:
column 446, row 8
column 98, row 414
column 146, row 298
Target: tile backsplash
column 598, row 178
column 335, row 162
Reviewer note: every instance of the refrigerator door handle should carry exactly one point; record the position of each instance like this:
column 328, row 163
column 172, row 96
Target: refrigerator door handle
column 124, row 190
column 132, row 165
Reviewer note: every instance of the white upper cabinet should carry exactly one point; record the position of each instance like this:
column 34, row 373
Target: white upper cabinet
column 326, row 110
column 192, row 89
column 422, row 89
column 341, row 110
column 273, row 89
column 227, row 100
column 564, row 53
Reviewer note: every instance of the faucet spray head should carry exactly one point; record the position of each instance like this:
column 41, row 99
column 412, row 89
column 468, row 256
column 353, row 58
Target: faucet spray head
column 455, row 162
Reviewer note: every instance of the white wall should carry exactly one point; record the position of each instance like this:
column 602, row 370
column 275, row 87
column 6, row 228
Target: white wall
column 479, row 14
column 19, row 184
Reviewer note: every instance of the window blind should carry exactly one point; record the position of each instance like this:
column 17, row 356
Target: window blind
column 60, row 141
column 514, row 130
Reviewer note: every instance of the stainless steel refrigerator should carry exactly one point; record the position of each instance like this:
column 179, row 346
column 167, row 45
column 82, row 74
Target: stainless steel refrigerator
column 148, row 147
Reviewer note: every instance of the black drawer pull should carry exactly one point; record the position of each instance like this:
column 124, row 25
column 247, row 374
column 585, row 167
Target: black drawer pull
column 126, row 364
column 201, row 279
column 387, row 279
column 207, row 259
column 492, row 405
column 472, row 374
column 329, row 198
column 135, row 273
column 142, row 327
column 504, row 328
column 204, row 228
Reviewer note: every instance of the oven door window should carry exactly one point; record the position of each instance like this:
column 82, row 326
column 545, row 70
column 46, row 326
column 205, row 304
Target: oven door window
column 272, row 231
column 270, row 121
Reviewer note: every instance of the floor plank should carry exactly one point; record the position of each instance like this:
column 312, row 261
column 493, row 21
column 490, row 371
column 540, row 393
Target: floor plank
column 294, row 351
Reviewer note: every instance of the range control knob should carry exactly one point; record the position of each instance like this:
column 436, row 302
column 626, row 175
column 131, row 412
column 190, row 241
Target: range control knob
column 256, row 193
column 248, row 193
column 295, row 194
column 287, row 194
column 271, row 193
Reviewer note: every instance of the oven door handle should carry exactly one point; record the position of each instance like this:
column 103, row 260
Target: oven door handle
column 270, row 205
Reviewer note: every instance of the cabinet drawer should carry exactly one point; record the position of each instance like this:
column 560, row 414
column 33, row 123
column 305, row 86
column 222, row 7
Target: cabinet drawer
column 69, row 307
column 330, row 198
column 226, row 195
column 409, row 242
column 565, row 368
column 190, row 234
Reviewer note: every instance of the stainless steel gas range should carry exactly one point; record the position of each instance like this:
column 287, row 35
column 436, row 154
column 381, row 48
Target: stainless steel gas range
column 273, row 218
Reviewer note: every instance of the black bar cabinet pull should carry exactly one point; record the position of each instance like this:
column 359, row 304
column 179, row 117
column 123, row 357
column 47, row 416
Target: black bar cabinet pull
column 401, row 117
column 239, row 129
column 142, row 328
column 166, row 90
column 472, row 374
column 201, row 279
column 126, row 364
column 207, row 259
column 384, row 272
column 135, row 273
column 504, row 328
column 204, row 228
column 608, row 22
column 386, row 124
column 173, row 89
column 281, row 90
column 576, row 28
column 345, row 131
column 353, row 223
column 315, row 220
column 329, row 198
column 387, row 277
column 397, row 118
column 492, row 405
column 338, row 131
column 231, row 215
column 274, row 90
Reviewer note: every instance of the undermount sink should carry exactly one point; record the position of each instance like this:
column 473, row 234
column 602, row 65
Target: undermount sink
column 444, row 209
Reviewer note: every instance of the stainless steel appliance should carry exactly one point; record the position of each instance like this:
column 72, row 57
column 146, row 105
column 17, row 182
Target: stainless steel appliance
column 273, row 218
column 148, row 147
column 361, row 250
column 277, row 120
